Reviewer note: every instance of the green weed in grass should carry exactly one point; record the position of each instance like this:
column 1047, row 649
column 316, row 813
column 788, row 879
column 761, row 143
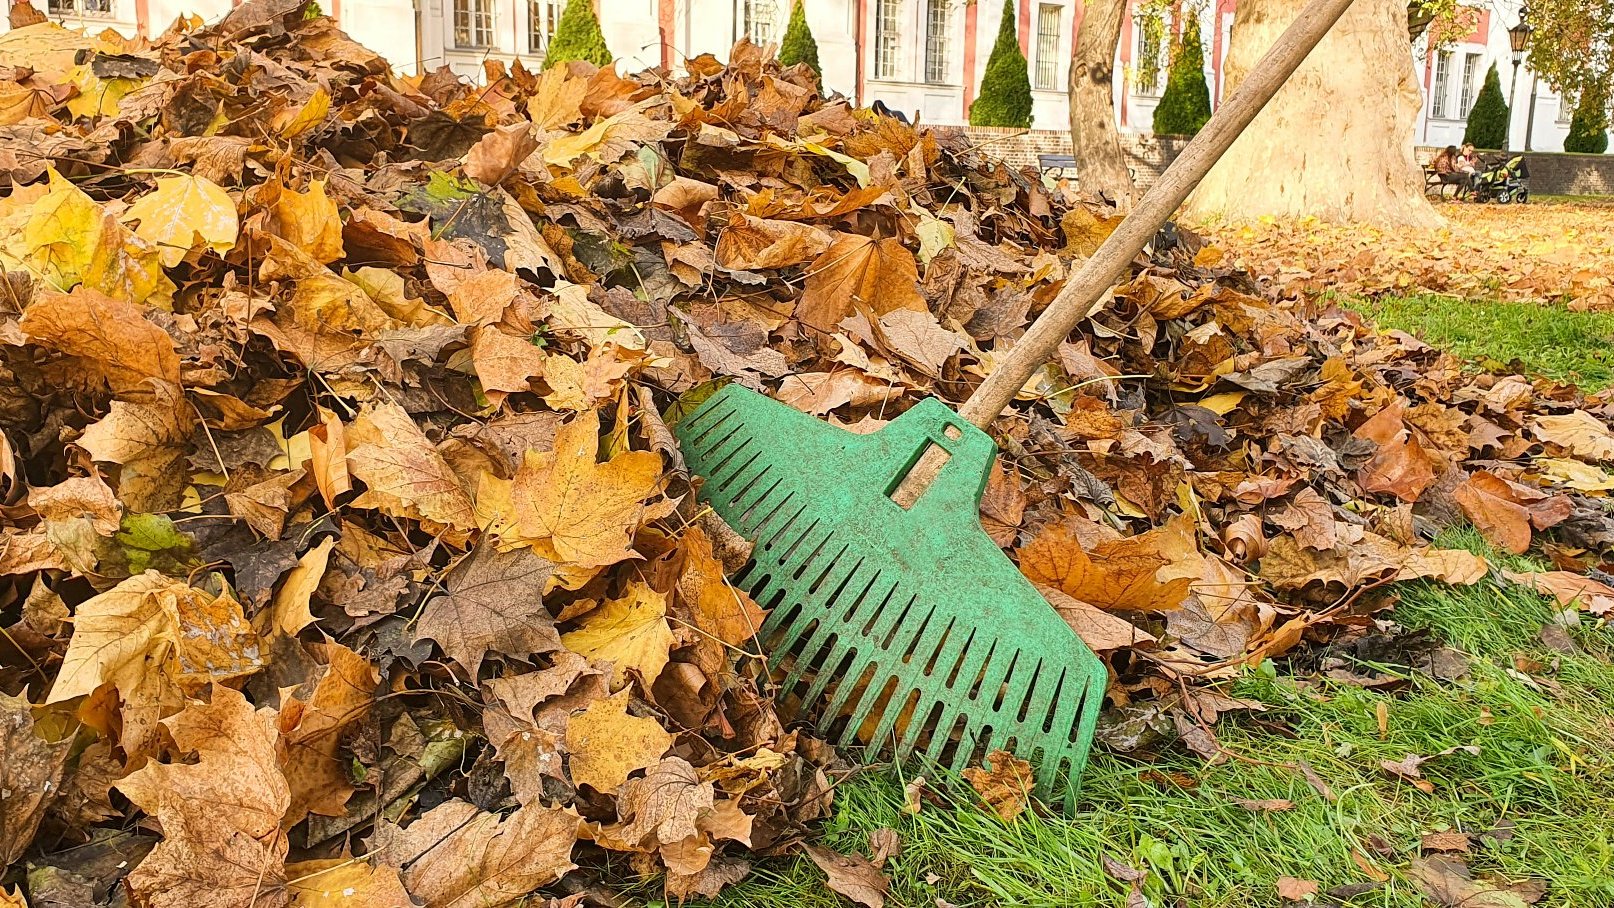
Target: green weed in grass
column 1549, row 339
column 1542, row 774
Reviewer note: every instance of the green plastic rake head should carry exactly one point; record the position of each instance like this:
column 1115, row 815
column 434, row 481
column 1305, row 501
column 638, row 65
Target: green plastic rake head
column 905, row 628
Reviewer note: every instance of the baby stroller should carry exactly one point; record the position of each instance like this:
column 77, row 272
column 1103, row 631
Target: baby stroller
column 1504, row 182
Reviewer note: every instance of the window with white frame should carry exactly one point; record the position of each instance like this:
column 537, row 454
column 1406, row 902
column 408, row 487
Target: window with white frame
column 89, row 9
column 1471, row 64
column 1442, row 86
column 1149, row 70
column 1047, row 46
column 938, row 25
column 543, row 17
column 473, row 23
column 759, row 19
column 887, row 38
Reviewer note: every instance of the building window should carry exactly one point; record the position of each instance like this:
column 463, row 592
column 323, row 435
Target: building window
column 1437, row 103
column 542, row 18
column 1048, row 46
column 887, row 38
column 938, row 16
column 89, row 9
column 1147, row 76
column 473, row 23
column 759, row 18
column 1470, row 69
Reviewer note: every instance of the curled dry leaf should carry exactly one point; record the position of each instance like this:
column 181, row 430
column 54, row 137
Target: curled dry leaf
column 29, row 774
column 853, row 876
column 1568, row 589
column 1005, row 784
column 155, row 641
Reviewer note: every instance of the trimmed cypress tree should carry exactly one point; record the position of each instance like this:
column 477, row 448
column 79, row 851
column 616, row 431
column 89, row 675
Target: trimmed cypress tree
column 578, row 37
column 1588, row 128
column 1185, row 104
column 1005, row 98
column 798, row 45
column 1488, row 118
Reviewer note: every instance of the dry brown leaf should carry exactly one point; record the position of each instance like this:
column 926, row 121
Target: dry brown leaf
column 1005, row 784
column 1505, row 512
column 289, row 612
column 148, row 436
column 1100, row 630
column 492, row 601
column 608, row 745
column 220, row 816
column 1272, row 805
column 30, row 775
column 110, row 338
column 308, row 221
column 1581, row 433
column 1118, row 574
column 750, row 243
column 1447, row 882
column 860, row 274
column 155, row 640
column 1297, row 890
column 456, row 856
column 852, row 876
column 345, row 883
column 403, row 473
column 1568, row 589
column 666, row 806
column 497, row 154
column 312, row 726
column 1444, row 841
column 1309, row 518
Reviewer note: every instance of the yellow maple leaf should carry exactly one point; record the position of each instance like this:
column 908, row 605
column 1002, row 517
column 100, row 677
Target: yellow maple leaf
column 185, row 212
column 309, row 221
column 574, row 510
column 155, row 640
column 607, row 744
column 630, row 632
column 65, row 238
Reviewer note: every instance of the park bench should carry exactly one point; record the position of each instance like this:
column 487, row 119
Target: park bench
column 1059, row 165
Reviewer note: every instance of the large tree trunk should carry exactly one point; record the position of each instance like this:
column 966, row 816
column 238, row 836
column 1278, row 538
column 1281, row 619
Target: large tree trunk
column 1095, row 142
column 1337, row 140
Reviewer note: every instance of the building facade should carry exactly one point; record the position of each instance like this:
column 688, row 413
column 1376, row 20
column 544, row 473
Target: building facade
column 925, row 57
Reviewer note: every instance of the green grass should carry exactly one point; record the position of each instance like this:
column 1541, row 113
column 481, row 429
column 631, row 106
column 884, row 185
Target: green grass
column 1543, row 764
column 1573, row 199
column 1546, row 339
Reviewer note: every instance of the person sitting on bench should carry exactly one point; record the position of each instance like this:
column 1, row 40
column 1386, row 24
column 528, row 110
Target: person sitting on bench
column 1445, row 168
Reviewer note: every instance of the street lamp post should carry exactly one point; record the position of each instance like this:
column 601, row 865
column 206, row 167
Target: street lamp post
column 1518, row 37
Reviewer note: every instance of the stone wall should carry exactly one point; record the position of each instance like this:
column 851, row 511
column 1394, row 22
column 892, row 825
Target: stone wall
column 1147, row 155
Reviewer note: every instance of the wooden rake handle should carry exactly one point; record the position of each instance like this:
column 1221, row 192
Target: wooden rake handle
column 1081, row 293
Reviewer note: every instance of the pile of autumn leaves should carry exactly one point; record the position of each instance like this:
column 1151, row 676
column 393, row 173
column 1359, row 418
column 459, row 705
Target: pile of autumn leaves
column 346, row 553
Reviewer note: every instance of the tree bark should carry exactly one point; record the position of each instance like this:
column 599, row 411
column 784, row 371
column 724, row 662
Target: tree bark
column 1336, row 143
column 1095, row 142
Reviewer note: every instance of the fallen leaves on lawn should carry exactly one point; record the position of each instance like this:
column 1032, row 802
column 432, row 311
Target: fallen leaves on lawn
column 339, row 522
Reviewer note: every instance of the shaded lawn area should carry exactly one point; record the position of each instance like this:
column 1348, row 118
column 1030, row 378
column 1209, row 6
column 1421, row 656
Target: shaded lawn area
column 1538, row 797
column 1543, row 338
